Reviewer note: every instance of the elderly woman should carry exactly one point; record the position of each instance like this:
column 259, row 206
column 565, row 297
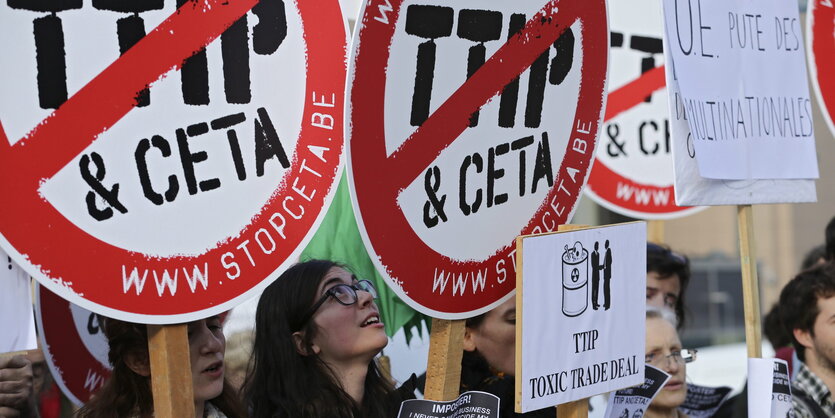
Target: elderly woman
column 664, row 351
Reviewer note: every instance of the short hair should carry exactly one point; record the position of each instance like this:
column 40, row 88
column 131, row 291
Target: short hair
column 813, row 257
column 773, row 329
column 829, row 236
column 799, row 301
column 666, row 263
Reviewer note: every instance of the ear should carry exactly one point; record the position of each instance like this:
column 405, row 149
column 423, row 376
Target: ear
column 139, row 363
column 298, row 340
column 804, row 337
column 469, row 339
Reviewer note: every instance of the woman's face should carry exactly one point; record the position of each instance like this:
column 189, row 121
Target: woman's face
column 662, row 340
column 347, row 333
column 663, row 292
column 206, row 348
column 495, row 338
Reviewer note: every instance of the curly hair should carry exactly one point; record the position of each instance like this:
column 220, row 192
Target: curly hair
column 799, row 301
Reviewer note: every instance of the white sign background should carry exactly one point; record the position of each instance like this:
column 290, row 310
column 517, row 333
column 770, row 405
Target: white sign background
column 741, row 70
column 551, row 341
column 646, row 157
column 693, row 189
column 18, row 330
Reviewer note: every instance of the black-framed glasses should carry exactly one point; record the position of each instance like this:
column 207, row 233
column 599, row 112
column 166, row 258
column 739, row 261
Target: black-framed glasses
column 679, row 356
column 344, row 294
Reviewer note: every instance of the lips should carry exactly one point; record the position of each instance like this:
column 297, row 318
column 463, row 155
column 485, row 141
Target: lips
column 673, row 385
column 371, row 319
column 215, row 368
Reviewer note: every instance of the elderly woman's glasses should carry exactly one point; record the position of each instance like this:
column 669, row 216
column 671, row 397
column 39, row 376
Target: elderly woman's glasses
column 344, row 294
column 679, row 356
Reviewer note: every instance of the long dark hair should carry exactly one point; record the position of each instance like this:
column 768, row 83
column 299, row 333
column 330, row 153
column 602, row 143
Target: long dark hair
column 281, row 382
column 127, row 393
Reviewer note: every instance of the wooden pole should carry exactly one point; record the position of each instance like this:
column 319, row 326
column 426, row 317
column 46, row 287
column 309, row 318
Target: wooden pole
column 443, row 369
column 750, row 282
column 171, row 371
column 579, row 408
column 655, row 231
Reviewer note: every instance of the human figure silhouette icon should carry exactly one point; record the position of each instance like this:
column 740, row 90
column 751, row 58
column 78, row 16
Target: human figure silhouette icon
column 607, row 276
column 595, row 275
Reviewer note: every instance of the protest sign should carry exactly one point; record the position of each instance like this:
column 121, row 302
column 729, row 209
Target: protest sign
column 633, row 171
column 162, row 177
column 769, row 388
column 74, row 346
column 691, row 186
column 482, row 133
column 703, row 401
column 471, row 404
column 741, row 73
column 580, row 314
column 633, row 402
column 18, row 330
column 820, row 40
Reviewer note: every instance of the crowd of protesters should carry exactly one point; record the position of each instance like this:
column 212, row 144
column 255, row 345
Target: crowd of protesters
column 318, row 333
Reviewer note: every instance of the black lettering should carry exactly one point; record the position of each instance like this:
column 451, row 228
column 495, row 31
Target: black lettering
column 140, row 155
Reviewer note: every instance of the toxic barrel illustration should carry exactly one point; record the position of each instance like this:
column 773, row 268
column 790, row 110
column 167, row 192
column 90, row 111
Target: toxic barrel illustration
column 575, row 278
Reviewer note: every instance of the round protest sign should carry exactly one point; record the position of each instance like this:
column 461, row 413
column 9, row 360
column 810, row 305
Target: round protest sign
column 74, row 345
column 161, row 171
column 820, row 38
column 633, row 172
column 470, row 123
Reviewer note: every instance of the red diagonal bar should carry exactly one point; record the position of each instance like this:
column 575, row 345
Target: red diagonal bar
column 634, row 92
column 111, row 95
column 453, row 116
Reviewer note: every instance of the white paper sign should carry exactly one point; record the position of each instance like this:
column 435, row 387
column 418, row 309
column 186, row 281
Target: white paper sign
column 769, row 388
column 18, row 330
column 633, row 402
column 693, row 189
column 740, row 67
column 582, row 314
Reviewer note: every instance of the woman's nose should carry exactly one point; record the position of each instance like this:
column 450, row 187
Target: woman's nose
column 364, row 298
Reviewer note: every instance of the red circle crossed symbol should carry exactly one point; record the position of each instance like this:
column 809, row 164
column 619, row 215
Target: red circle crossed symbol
column 442, row 279
column 77, row 370
column 152, row 288
column 820, row 27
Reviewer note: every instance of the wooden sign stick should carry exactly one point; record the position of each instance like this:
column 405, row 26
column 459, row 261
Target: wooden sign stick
column 170, row 371
column 750, row 282
column 655, row 231
column 578, row 408
column 443, row 369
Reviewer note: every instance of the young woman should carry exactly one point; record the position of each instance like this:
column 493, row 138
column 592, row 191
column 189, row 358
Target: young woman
column 317, row 331
column 664, row 351
column 489, row 361
column 128, row 391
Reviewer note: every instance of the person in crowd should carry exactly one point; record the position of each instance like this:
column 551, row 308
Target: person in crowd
column 16, row 378
column 815, row 256
column 664, row 351
column 127, row 393
column 317, row 333
column 807, row 310
column 488, row 363
column 829, row 240
column 668, row 273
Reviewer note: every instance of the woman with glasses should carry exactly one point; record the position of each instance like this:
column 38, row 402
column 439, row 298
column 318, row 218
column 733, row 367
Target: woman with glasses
column 317, row 331
column 668, row 273
column 664, row 351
